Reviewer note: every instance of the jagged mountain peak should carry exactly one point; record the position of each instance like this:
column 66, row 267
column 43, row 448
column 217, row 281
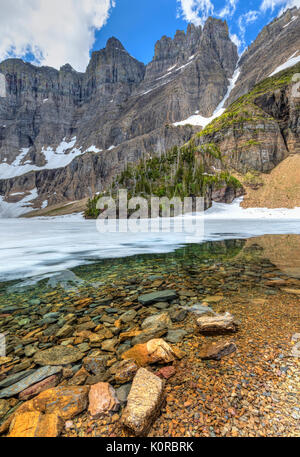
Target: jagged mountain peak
column 113, row 43
column 67, row 68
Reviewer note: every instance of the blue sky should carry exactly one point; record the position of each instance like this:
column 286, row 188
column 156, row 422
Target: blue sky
column 56, row 32
column 139, row 24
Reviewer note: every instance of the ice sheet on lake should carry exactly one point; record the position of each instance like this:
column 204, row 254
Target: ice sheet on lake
column 8, row 210
column 31, row 247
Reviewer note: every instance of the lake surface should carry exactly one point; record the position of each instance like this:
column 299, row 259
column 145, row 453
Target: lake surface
column 33, row 247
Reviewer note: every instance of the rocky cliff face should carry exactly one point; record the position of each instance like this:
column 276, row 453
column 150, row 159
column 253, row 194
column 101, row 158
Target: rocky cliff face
column 276, row 44
column 260, row 129
column 64, row 135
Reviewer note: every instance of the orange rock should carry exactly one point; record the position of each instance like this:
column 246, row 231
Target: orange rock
column 66, row 402
column 130, row 334
column 154, row 351
column 34, row 424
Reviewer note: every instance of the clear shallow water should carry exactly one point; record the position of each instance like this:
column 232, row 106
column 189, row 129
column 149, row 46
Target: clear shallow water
column 31, row 247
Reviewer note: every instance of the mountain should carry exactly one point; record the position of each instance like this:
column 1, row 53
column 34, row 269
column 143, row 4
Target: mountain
column 65, row 135
column 256, row 133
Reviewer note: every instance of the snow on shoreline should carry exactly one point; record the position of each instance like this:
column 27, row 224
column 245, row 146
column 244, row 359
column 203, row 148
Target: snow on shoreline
column 231, row 211
column 235, row 211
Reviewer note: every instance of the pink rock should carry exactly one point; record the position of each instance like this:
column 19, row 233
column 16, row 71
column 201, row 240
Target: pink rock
column 69, row 425
column 36, row 389
column 166, row 372
column 102, row 400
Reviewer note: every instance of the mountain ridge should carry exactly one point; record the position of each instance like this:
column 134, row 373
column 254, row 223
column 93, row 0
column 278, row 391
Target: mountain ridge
column 117, row 111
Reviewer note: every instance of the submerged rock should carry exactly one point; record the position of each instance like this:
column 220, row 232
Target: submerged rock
column 66, row 402
column 102, row 400
column 58, row 355
column 149, row 334
column 128, row 316
column 4, row 408
column 36, row 389
column 144, row 402
column 217, row 324
column 216, row 351
column 176, row 336
column 14, row 378
column 38, row 376
column 161, row 320
column 124, row 371
column 123, row 392
column 156, row 297
column 34, row 424
column 166, row 372
column 155, row 351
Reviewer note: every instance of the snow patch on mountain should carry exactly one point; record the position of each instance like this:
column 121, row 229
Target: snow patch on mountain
column 58, row 158
column 293, row 60
column 202, row 121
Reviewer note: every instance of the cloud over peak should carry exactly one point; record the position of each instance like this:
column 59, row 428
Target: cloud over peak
column 54, row 32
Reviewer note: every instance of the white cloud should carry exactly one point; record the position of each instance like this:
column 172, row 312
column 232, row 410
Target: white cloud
column 195, row 11
column 54, row 31
column 235, row 39
column 272, row 4
column 245, row 19
column 229, row 8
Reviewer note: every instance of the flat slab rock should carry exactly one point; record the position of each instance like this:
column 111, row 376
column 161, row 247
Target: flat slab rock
column 144, row 402
column 14, row 378
column 38, row 376
column 216, row 351
column 219, row 324
column 156, row 297
column 36, row 389
column 34, row 424
column 65, row 402
column 58, row 355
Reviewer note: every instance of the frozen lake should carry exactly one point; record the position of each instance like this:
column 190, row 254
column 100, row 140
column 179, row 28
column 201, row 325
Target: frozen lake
column 30, row 247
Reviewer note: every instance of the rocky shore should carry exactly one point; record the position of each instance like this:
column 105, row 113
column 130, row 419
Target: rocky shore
column 199, row 349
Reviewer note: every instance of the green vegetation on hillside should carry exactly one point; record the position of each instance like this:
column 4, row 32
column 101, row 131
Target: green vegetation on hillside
column 181, row 172
column 245, row 109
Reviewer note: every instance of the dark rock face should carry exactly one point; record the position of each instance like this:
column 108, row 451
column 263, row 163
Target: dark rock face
column 276, row 43
column 118, row 106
